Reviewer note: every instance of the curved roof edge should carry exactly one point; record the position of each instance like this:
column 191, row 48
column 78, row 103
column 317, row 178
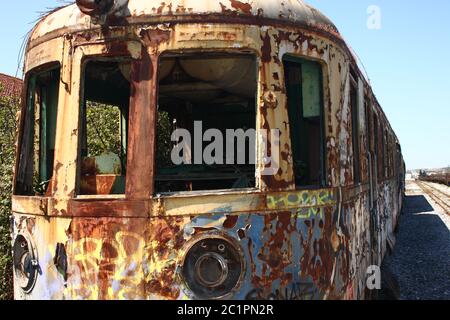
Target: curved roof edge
column 141, row 11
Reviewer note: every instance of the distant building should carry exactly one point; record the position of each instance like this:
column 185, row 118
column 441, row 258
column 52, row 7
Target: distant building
column 12, row 87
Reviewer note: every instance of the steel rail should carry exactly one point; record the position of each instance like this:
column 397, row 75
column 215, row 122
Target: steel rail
column 433, row 193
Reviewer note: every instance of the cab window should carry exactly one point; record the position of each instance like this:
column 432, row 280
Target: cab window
column 104, row 127
column 206, row 122
column 37, row 146
column 305, row 105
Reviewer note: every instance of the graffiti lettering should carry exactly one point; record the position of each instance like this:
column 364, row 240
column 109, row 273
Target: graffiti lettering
column 309, row 213
column 297, row 291
column 317, row 198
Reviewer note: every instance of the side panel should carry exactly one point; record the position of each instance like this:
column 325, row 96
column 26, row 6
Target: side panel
column 107, row 258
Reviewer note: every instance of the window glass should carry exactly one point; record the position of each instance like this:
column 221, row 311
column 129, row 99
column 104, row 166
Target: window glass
column 311, row 90
column 305, row 104
column 37, row 148
column 206, row 138
column 104, row 126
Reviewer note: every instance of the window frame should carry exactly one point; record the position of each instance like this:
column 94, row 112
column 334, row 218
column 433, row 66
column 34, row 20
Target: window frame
column 355, row 125
column 81, row 125
column 292, row 58
column 24, row 114
column 200, row 193
column 377, row 146
column 386, row 153
column 367, row 133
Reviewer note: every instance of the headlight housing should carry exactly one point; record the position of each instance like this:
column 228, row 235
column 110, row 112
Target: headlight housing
column 213, row 267
column 26, row 264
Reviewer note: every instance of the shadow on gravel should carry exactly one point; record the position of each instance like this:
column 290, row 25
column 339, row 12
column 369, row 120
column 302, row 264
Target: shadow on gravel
column 421, row 258
column 417, row 204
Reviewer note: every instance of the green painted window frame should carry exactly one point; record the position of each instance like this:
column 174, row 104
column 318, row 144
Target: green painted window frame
column 296, row 127
column 356, row 143
column 27, row 171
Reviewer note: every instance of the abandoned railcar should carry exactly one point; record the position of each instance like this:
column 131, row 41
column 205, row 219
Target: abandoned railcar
column 101, row 211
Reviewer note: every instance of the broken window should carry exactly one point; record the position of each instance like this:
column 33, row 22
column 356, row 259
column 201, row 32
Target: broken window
column 37, row 148
column 368, row 136
column 388, row 155
column 355, row 127
column 383, row 153
column 367, row 113
column 206, row 138
column 305, row 103
column 391, row 155
column 397, row 164
column 104, row 127
column 376, row 132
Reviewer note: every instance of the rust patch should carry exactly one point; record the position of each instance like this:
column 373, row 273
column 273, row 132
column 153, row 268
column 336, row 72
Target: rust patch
column 165, row 239
column 139, row 183
column 154, row 37
column 241, row 6
column 161, row 8
column 104, row 208
column 230, row 222
column 266, row 49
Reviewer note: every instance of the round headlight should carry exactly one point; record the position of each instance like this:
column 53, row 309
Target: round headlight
column 213, row 267
column 26, row 266
column 211, row 270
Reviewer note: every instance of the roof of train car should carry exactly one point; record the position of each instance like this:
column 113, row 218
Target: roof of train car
column 71, row 19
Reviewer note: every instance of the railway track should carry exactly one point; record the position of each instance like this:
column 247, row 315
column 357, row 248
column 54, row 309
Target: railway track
column 439, row 197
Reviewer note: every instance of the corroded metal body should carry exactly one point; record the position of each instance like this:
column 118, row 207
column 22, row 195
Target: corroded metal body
column 297, row 244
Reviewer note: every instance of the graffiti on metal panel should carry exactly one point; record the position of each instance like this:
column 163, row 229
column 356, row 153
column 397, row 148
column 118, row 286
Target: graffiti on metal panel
column 307, row 204
column 301, row 199
column 109, row 262
column 296, row 291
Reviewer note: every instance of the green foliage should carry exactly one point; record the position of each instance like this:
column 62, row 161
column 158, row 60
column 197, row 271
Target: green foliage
column 164, row 144
column 8, row 111
column 104, row 133
column 103, row 129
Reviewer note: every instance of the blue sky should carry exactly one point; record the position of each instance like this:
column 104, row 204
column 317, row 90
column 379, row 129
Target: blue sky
column 407, row 61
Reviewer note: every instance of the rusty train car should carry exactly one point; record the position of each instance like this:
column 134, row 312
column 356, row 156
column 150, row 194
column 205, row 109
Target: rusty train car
column 95, row 219
column 442, row 178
